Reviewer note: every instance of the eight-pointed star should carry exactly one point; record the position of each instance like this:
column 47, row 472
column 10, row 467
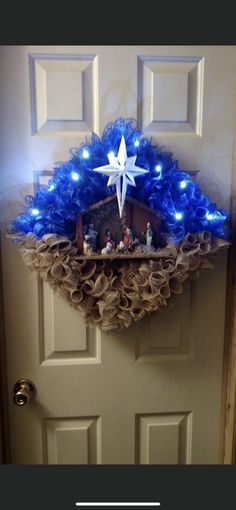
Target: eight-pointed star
column 121, row 167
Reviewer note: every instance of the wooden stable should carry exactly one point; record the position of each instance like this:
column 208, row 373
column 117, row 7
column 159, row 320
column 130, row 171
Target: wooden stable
column 105, row 215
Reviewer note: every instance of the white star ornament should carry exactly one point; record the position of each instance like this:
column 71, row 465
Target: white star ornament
column 121, row 167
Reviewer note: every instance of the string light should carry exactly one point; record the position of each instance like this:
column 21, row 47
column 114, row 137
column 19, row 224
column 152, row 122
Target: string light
column 136, row 143
column 35, row 212
column 210, row 216
column 158, row 169
column 85, row 154
column 183, row 184
column 74, row 176
column 179, row 215
column 51, row 187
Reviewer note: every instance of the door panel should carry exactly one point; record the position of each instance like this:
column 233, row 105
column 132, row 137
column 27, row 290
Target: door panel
column 75, row 441
column 164, row 438
column 81, row 346
column 152, row 393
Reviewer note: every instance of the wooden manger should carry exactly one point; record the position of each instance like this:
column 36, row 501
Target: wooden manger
column 104, row 215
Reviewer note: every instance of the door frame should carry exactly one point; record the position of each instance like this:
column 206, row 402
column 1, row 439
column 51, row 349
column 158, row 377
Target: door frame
column 4, row 416
column 228, row 403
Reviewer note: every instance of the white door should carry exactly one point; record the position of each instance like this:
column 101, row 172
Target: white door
column 152, row 393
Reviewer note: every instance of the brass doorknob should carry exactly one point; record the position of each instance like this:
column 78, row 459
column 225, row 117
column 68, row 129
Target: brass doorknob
column 23, row 392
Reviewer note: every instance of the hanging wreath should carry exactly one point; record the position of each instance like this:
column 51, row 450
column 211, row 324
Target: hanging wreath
column 119, row 228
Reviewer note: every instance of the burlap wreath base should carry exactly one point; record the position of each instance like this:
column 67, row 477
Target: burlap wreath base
column 113, row 294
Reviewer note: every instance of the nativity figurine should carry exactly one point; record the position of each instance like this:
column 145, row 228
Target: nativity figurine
column 149, row 236
column 108, row 238
column 87, row 245
column 93, row 236
column 127, row 237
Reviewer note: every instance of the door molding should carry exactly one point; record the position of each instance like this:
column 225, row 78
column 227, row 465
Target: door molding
column 4, row 418
column 228, row 404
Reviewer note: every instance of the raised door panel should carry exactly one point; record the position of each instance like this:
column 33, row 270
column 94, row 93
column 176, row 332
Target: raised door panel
column 64, row 94
column 164, row 438
column 73, row 441
column 170, row 94
column 64, row 336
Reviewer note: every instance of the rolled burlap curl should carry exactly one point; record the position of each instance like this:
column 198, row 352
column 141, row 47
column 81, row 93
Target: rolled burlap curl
column 112, row 294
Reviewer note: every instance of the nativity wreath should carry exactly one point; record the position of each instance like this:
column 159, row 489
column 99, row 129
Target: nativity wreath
column 119, row 228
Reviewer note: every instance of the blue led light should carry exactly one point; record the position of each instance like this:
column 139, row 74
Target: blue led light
column 179, row 215
column 51, row 187
column 35, row 212
column 183, row 184
column 158, row 168
column 136, row 143
column 74, row 176
column 210, row 216
column 85, row 154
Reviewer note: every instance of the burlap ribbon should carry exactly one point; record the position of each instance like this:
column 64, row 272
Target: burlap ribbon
column 114, row 294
